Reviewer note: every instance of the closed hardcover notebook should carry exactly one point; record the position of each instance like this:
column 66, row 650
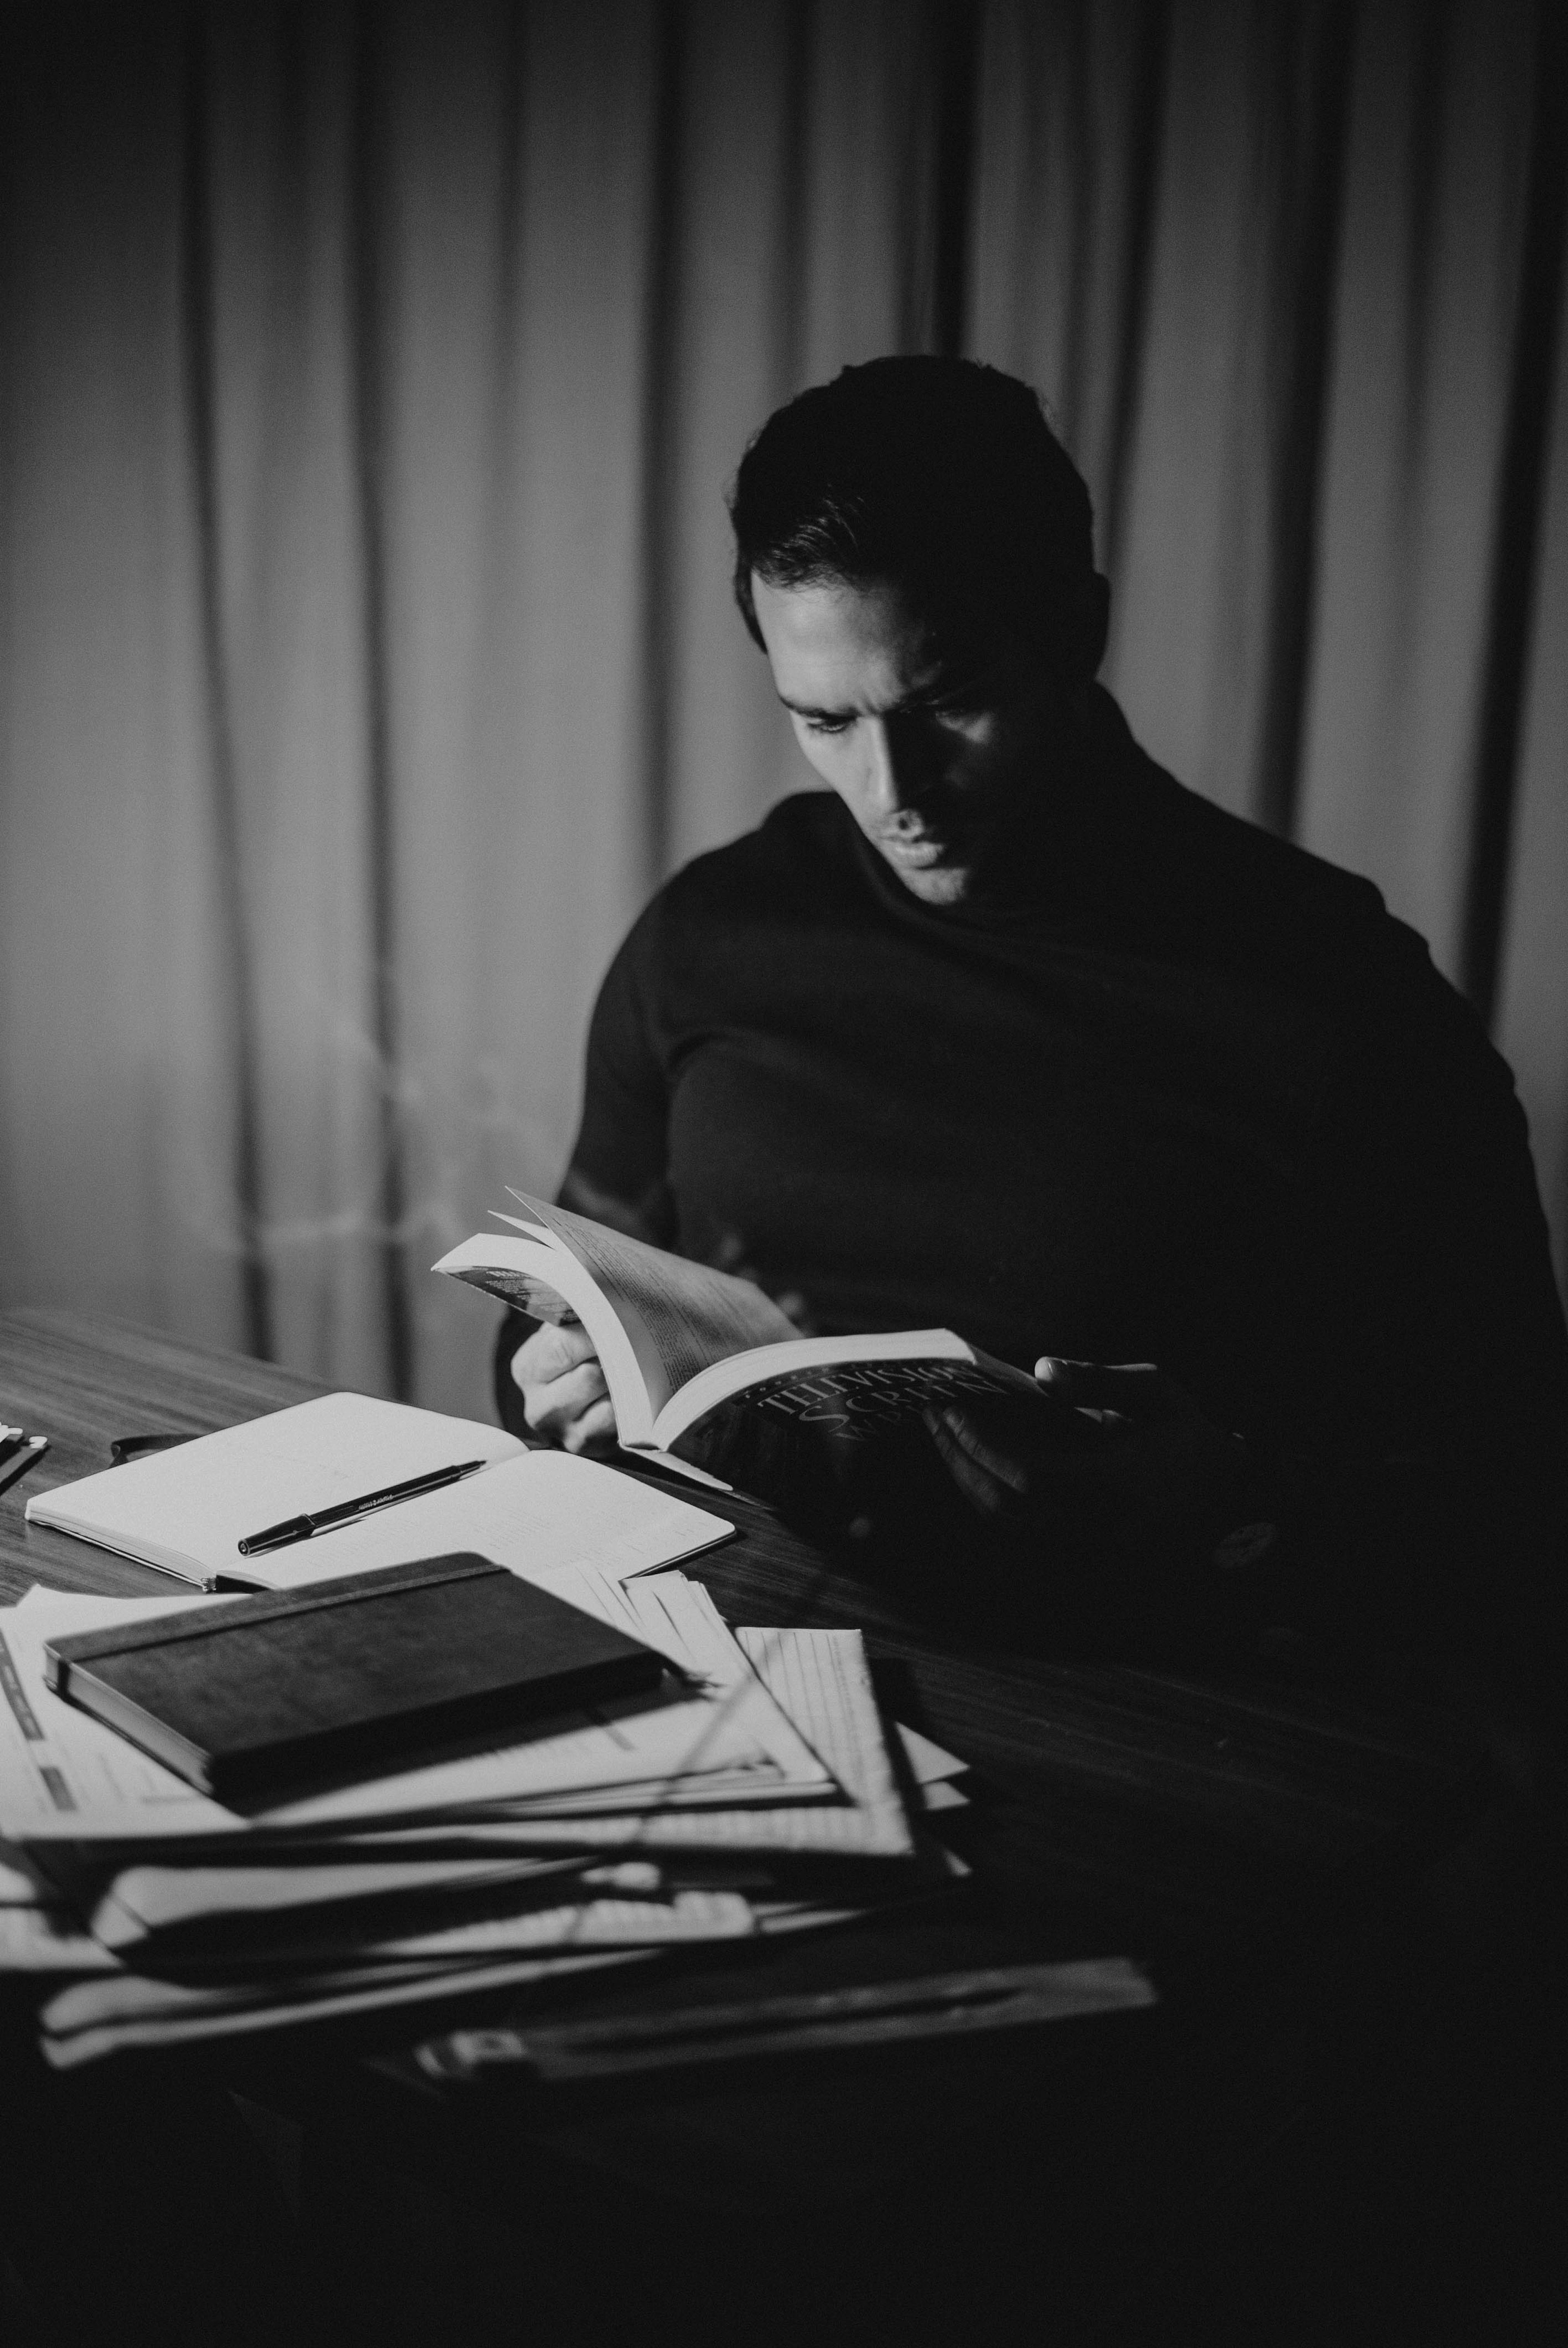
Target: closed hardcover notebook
column 260, row 1693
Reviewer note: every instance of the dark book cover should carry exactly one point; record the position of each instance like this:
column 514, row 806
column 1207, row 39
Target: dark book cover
column 268, row 1693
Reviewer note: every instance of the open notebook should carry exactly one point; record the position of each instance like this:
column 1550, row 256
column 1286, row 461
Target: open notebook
column 539, row 1512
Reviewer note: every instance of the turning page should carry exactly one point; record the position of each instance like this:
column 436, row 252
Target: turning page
column 668, row 1319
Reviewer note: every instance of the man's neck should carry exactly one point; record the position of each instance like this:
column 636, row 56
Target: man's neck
column 1069, row 836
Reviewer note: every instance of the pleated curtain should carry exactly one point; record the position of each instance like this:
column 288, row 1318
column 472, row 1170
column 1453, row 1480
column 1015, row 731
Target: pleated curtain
column 371, row 379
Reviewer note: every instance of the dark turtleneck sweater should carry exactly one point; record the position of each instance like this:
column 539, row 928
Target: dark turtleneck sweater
column 1189, row 1096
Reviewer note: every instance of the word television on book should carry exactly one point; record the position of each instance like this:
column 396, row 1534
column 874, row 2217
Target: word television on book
column 860, row 1398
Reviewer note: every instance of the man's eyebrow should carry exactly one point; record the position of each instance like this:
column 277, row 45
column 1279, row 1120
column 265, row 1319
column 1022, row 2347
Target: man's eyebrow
column 808, row 709
column 919, row 696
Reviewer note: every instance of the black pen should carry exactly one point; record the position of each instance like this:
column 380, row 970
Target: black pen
column 299, row 1528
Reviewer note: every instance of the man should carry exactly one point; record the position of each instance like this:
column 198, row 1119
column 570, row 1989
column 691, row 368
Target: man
column 1009, row 1032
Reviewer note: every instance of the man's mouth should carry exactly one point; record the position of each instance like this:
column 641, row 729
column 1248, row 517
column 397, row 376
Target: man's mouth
column 915, row 847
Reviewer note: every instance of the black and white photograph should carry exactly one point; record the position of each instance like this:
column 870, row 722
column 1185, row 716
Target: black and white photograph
column 784, row 1173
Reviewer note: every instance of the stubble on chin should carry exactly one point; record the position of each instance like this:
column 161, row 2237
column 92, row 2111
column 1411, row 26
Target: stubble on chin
column 934, row 884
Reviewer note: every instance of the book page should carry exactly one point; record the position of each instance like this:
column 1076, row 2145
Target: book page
column 692, row 1314
column 535, row 1274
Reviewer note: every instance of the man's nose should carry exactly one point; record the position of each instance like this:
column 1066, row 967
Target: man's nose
column 901, row 765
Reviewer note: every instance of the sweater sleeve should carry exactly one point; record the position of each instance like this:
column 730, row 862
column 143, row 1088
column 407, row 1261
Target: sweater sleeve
column 1435, row 1514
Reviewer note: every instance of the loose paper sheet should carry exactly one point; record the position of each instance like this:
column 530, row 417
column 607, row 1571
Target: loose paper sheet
column 821, row 1681
column 66, row 1777
column 681, row 1916
column 48, row 1941
column 89, row 2019
column 137, row 1901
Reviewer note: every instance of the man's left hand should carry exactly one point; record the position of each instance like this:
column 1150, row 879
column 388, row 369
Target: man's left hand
column 1113, row 1457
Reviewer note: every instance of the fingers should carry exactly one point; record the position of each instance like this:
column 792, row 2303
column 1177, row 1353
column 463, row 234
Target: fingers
column 1111, row 1397
column 1124, row 1452
column 565, row 1399
column 550, row 1353
column 961, row 1429
column 552, row 1408
column 981, row 1486
column 1004, row 1465
column 1132, row 1388
column 594, row 1431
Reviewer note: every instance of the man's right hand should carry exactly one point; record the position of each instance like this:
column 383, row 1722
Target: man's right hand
column 565, row 1399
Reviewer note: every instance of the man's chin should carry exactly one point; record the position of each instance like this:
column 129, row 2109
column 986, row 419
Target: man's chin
column 935, row 882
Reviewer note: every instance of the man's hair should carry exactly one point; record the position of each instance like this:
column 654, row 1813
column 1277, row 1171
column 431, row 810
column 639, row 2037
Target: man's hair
column 938, row 476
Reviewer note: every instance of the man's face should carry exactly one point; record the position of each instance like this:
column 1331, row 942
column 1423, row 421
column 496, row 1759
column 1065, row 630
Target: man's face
column 933, row 764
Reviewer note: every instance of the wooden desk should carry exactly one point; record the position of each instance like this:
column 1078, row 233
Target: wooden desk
column 1258, row 1840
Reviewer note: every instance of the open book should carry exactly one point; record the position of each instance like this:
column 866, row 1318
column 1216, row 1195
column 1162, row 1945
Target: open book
column 676, row 1339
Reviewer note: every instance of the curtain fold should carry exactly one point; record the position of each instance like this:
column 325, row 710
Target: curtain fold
column 370, row 381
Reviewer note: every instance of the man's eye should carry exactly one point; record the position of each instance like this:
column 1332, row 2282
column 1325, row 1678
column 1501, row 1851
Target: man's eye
column 827, row 724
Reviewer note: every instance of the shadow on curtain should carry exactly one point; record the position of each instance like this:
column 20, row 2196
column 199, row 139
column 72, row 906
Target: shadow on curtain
column 370, row 381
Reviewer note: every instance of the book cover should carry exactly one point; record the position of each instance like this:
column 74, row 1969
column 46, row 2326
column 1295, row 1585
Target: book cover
column 254, row 1694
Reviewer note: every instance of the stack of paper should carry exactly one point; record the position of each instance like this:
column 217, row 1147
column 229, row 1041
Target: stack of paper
column 759, row 1793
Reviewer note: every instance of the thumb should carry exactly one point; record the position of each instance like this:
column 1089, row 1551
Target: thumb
column 1127, row 1386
